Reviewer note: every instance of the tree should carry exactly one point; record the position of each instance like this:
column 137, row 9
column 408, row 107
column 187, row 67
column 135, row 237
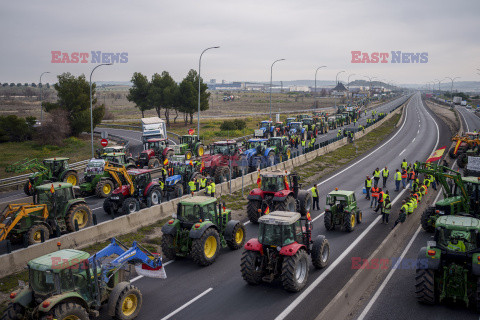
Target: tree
column 73, row 96
column 12, row 84
column 138, row 94
column 189, row 95
column 19, row 84
column 47, row 85
column 162, row 92
column 5, row 84
column 26, row 84
column 13, row 128
column 34, row 84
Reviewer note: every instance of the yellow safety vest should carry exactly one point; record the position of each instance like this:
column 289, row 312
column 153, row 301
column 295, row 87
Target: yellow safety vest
column 213, row 187
column 376, row 174
column 398, row 176
column 405, row 208
column 385, row 173
column 369, row 182
column 410, row 207
column 209, row 189
column 203, row 182
column 314, row 192
column 192, row 186
column 387, row 208
column 404, row 165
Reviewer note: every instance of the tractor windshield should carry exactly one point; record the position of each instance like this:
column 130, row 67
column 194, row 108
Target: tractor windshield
column 454, row 240
column 189, row 213
column 340, row 201
column 273, row 184
column 276, row 235
column 156, row 144
column 116, row 159
column 275, row 142
column 255, row 144
column 221, row 149
column 265, row 125
column 186, row 139
column 295, row 125
column 42, row 282
column 308, row 121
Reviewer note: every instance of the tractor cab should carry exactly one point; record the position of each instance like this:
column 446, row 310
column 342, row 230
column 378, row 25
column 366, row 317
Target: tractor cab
column 275, row 181
column 113, row 149
column 457, row 233
column 59, row 198
column 342, row 210
column 156, row 144
column 265, row 124
column 280, row 228
column 117, row 158
column 141, row 178
column 56, row 165
column 472, row 135
column 341, row 200
column 307, row 121
column 227, row 148
column 300, row 117
column 259, row 144
column 278, row 142
column 290, row 120
column 295, row 126
column 195, row 209
column 189, row 139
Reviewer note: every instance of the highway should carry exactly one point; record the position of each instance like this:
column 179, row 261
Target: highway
column 219, row 290
column 397, row 297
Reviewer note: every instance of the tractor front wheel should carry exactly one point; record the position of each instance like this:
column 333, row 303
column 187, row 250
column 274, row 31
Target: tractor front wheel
column 425, row 286
column 71, row 177
column 327, row 219
column 80, row 213
column 252, row 210
column 153, row 163
column 205, row 249
column 27, row 188
column 222, row 174
column 34, row 234
column 68, row 311
column 237, row 237
column 109, row 206
column 130, row 205
column 320, row 252
column 178, row 190
column 104, row 188
column 128, row 303
column 295, row 271
column 154, row 197
column 168, row 246
column 359, row 216
column 349, row 221
column 14, row 311
column 251, row 268
column 426, row 219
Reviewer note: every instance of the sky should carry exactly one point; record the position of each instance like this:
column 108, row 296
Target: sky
column 170, row 35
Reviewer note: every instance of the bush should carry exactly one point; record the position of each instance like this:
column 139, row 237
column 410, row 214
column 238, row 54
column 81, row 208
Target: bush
column 15, row 129
column 55, row 129
column 230, row 125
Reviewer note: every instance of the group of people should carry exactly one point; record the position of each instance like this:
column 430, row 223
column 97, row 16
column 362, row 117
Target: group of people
column 205, row 183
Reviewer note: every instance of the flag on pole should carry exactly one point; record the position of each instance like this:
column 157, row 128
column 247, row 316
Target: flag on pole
column 52, row 189
column 457, row 145
column 191, row 131
column 202, row 167
column 259, row 180
column 267, row 211
column 437, row 155
column 165, row 162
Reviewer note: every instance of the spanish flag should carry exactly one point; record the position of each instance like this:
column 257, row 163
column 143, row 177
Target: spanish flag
column 285, row 180
column 267, row 211
column 259, row 180
column 309, row 218
column 52, row 189
column 202, row 167
column 437, row 155
column 457, row 145
column 165, row 162
column 191, row 163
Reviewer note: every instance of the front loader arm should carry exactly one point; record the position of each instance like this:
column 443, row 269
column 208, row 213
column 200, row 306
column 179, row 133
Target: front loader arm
column 114, row 171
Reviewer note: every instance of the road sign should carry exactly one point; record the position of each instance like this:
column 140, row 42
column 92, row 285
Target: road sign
column 104, row 142
column 104, row 134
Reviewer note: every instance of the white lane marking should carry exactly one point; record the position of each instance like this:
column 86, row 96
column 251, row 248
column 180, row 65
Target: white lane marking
column 187, row 304
column 97, row 208
column 414, row 139
column 140, row 277
column 317, row 281
column 418, row 131
column 321, row 214
column 246, row 223
column 402, row 151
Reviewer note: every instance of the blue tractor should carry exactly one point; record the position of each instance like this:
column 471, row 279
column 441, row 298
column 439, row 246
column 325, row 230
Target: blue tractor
column 257, row 154
column 176, row 184
column 297, row 129
column 266, row 129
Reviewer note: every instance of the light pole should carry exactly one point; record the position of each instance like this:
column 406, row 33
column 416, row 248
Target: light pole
column 336, row 82
column 315, row 93
column 91, row 105
column 271, row 75
column 451, row 88
column 41, row 97
column 199, row 67
column 348, row 84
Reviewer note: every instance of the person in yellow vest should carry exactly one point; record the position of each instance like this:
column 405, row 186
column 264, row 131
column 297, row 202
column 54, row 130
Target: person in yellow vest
column 212, row 184
column 315, row 193
column 457, row 241
column 203, row 182
column 404, row 164
column 411, row 206
column 403, row 213
column 208, row 190
column 303, row 146
column 368, row 186
column 398, row 178
column 385, row 175
column 192, row 185
column 387, row 206
column 376, row 177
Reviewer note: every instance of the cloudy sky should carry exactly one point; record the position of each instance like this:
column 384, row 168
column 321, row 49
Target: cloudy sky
column 170, row 35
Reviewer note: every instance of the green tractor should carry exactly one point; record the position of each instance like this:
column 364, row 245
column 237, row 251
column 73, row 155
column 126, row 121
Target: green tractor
column 54, row 210
column 120, row 158
column 50, row 170
column 190, row 146
column 110, row 149
column 280, row 147
column 321, row 123
column 448, row 268
column 343, row 210
column 72, row 285
column 199, row 229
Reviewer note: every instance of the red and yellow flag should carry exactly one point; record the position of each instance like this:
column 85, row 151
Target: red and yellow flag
column 191, row 131
column 165, row 162
column 202, row 167
column 267, row 211
column 285, row 180
column 457, row 145
column 52, row 189
column 437, row 155
column 309, row 218
column 191, row 163
column 259, row 180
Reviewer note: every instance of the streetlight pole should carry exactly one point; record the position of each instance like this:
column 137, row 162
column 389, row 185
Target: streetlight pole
column 271, row 76
column 315, row 93
column 348, row 84
column 91, row 104
column 451, row 88
column 41, row 97
column 199, row 67
column 336, row 82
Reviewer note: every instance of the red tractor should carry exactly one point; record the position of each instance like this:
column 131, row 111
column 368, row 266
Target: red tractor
column 223, row 154
column 278, row 190
column 155, row 153
column 281, row 251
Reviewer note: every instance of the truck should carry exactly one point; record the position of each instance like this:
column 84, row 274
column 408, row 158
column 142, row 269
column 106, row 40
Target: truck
column 463, row 103
column 457, row 100
column 153, row 127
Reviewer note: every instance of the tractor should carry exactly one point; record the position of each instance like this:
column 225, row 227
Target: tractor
column 463, row 143
column 200, row 228
column 448, row 268
column 321, row 124
column 332, row 122
column 179, row 176
column 254, row 156
column 140, row 191
column 224, row 158
column 280, row 146
column 297, row 129
column 300, row 117
column 281, row 251
column 120, row 158
column 71, row 284
column 280, row 129
column 54, row 210
column 266, row 129
column 280, row 191
column 50, row 170
column 155, row 153
column 462, row 159
column 110, row 149
column 342, row 211
column 190, row 146
column 310, row 127
column 287, row 123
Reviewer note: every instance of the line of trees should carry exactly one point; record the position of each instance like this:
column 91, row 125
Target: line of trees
column 33, row 84
column 163, row 93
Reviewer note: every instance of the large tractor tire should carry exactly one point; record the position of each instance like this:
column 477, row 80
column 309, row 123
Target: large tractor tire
column 238, row 237
column 462, row 160
column 154, row 196
column 14, row 311
column 309, row 135
column 104, row 188
column 424, row 220
column 359, row 216
column 252, row 210
column 178, row 190
column 250, row 267
column 288, row 204
column 69, row 310
column 128, row 304
column 425, row 286
column 34, row 234
column 71, row 177
column 130, row 205
column 350, row 222
column 271, row 159
column 222, row 174
column 328, row 221
column 153, row 163
column 305, row 201
column 80, row 212
column 205, row 249
column 109, row 206
column 295, row 271
column 27, row 188
column 188, row 155
column 200, row 150
column 320, row 252
column 451, row 154
column 168, row 246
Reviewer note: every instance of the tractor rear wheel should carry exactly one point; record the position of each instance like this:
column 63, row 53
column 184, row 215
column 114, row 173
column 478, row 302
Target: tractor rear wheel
column 82, row 214
column 238, row 237
column 305, row 201
column 295, row 271
column 178, row 190
column 130, row 205
column 222, row 174
column 68, row 311
column 168, row 246
column 320, row 252
column 327, row 219
column 359, row 216
column 71, row 177
column 27, row 188
column 451, row 154
column 109, row 206
column 425, row 286
column 154, row 196
column 425, row 219
column 104, row 188
column 129, row 303
column 14, row 311
column 205, row 249
column 200, row 150
column 188, row 155
column 34, row 234
column 252, row 210
column 288, row 204
column 153, row 163
column 462, row 160
column 349, row 222
column 250, row 266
